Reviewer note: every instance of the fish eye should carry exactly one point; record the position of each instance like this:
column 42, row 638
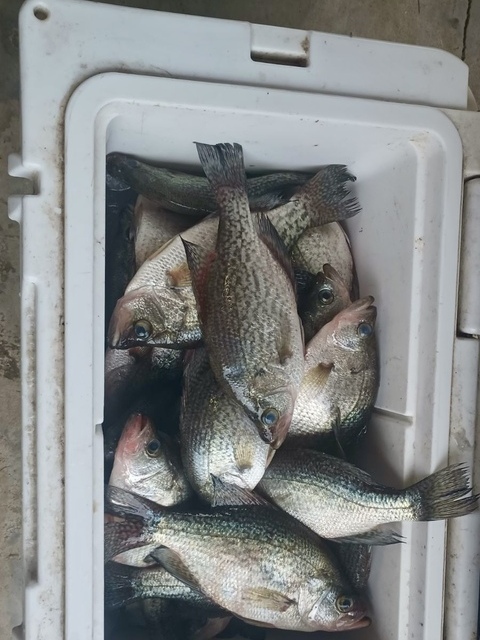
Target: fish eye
column 270, row 416
column 344, row 604
column 143, row 329
column 364, row 330
column 325, row 295
column 153, row 448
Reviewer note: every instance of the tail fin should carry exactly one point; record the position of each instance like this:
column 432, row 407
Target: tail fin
column 441, row 494
column 223, row 165
column 119, row 585
column 125, row 504
column 122, row 536
column 326, row 195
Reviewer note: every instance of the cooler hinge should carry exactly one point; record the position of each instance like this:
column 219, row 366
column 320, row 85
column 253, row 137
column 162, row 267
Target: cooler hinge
column 468, row 310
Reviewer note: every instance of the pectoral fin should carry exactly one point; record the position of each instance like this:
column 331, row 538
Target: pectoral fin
column 268, row 598
column 172, row 562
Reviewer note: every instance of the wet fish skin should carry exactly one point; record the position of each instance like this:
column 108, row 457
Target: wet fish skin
column 190, row 194
column 161, row 291
column 292, row 582
column 339, row 501
column 356, row 560
column 324, row 244
column 148, row 463
column 140, row 380
column 247, row 303
column 154, row 226
column 157, row 601
column 327, row 296
column 340, row 384
column 217, row 437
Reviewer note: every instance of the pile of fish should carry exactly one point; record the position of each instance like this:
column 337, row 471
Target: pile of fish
column 241, row 374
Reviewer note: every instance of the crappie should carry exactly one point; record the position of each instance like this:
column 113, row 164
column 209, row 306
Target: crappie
column 217, row 437
column 246, row 301
column 192, row 195
column 326, row 244
column 156, row 600
column 252, row 560
column 149, row 464
column 153, row 227
column 356, row 560
column 159, row 305
column 327, row 296
column 337, row 500
column 340, row 384
column 142, row 379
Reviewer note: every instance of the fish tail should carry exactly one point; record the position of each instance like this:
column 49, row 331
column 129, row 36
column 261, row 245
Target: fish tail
column 124, row 504
column 119, row 585
column 326, row 196
column 223, row 165
column 122, row 536
column 441, row 495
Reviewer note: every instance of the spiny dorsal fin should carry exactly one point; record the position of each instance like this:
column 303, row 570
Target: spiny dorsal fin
column 270, row 237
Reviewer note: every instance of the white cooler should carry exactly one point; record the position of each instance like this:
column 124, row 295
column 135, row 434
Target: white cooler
column 97, row 78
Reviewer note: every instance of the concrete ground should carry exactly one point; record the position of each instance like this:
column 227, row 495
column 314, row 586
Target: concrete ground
column 448, row 24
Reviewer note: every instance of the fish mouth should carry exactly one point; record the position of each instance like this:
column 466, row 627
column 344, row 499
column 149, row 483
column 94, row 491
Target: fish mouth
column 352, row 621
column 135, row 428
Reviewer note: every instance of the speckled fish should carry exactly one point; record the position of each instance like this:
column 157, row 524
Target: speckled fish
column 159, row 305
column 192, row 195
column 340, row 384
column 337, row 500
column 328, row 295
column 141, row 379
column 217, row 437
column 153, row 227
column 157, row 600
column 247, row 302
column 356, row 560
column 148, row 464
column 252, row 560
column 326, row 244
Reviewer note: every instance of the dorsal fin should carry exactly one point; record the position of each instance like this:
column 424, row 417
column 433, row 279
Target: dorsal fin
column 199, row 260
column 270, row 237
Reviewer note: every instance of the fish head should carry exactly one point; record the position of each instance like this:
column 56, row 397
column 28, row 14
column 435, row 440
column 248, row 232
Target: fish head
column 159, row 316
column 272, row 414
column 332, row 608
column 327, row 296
column 353, row 328
column 147, row 463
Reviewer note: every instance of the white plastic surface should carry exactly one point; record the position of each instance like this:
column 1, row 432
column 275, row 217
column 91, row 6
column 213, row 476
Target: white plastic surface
column 408, row 161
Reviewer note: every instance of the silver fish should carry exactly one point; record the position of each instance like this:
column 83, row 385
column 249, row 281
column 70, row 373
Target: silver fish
column 192, row 195
column 326, row 244
column 327, row 296
column 153, row 227
column 159, row 306
column 252, row 560
column 246, row 301
column 217, row 437
column 337, row 500
column 148, row 463
column 340, row 384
